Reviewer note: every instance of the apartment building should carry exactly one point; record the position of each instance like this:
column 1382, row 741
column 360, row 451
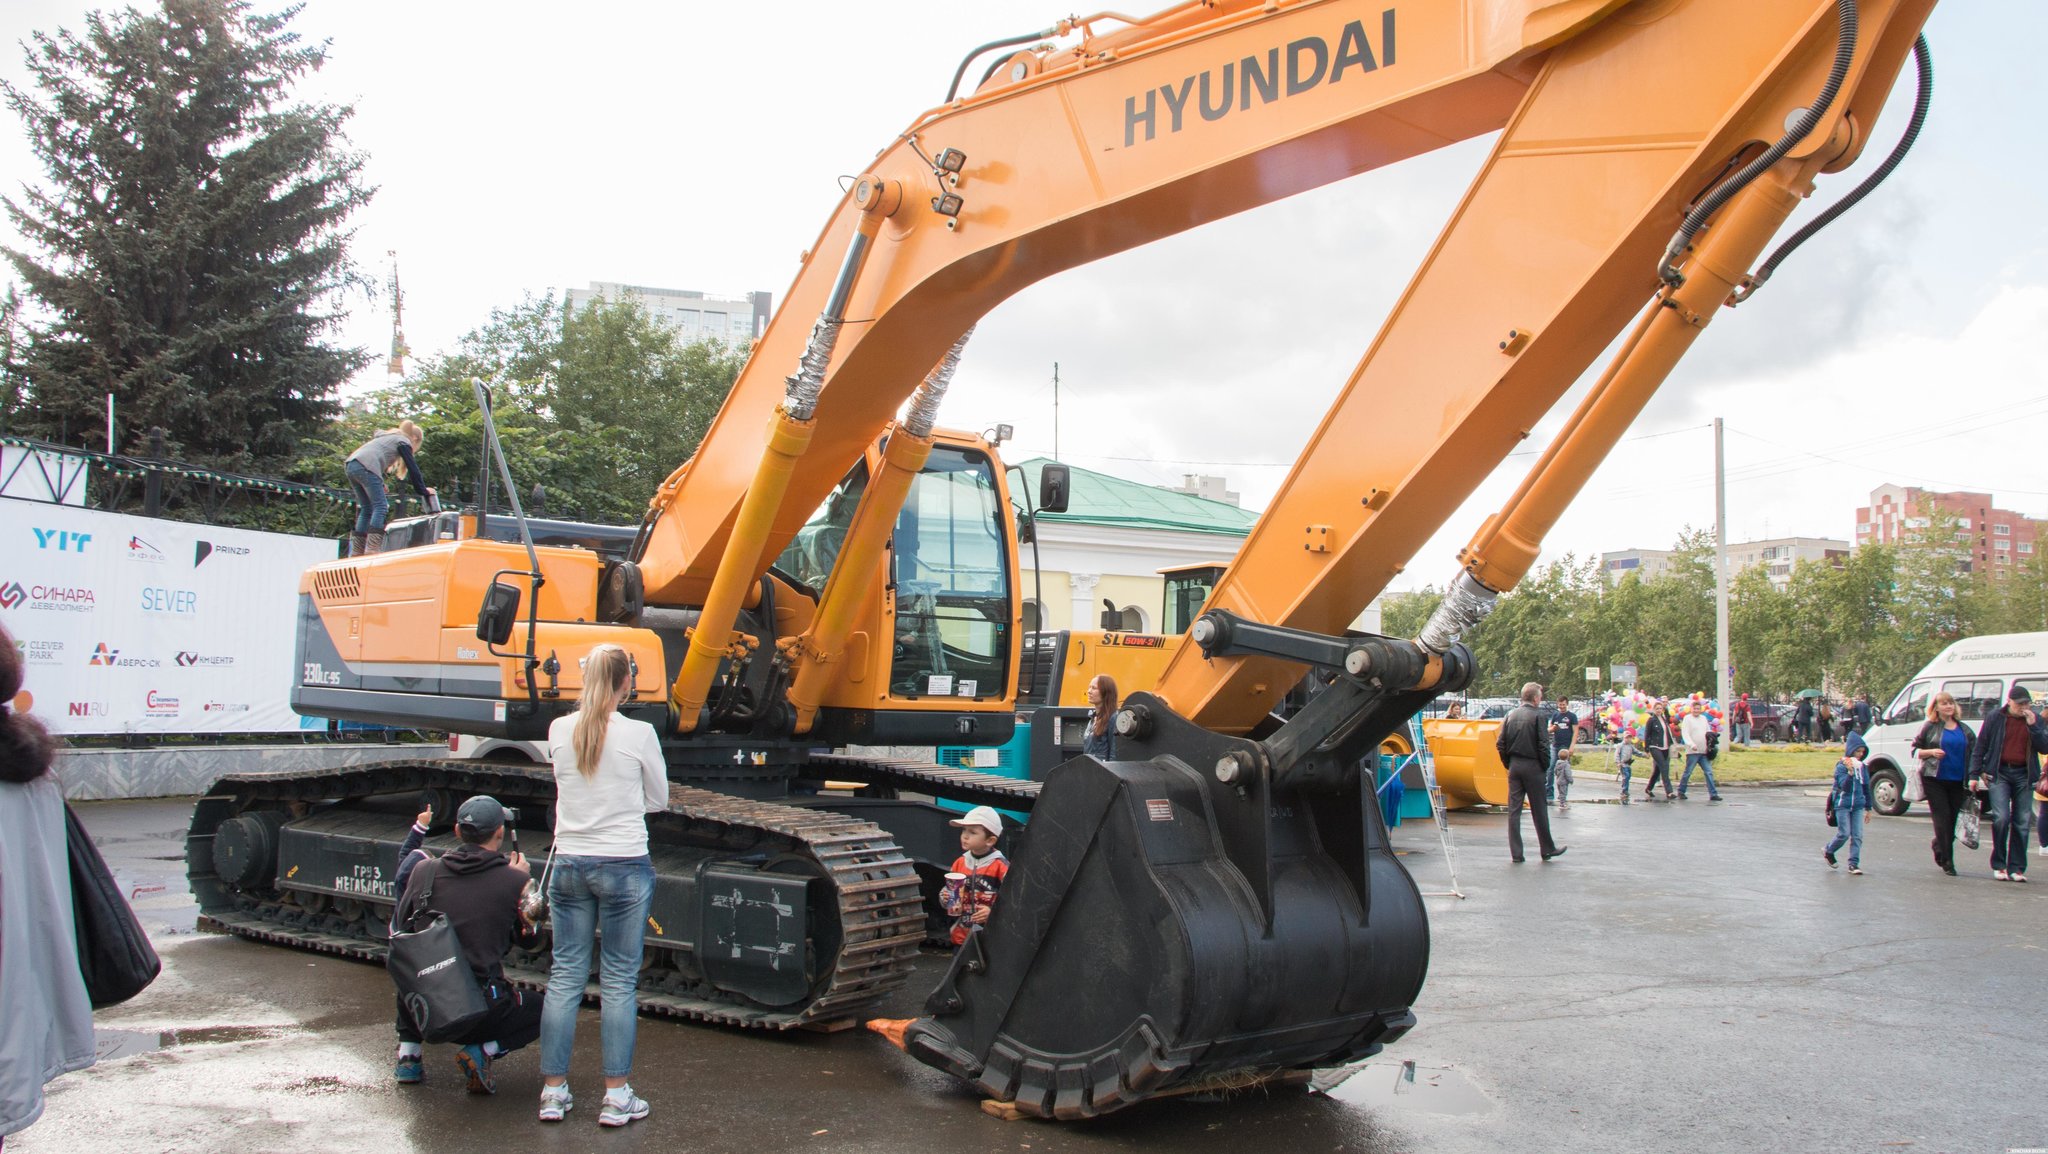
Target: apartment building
column 693, row 315
column 2000, row 538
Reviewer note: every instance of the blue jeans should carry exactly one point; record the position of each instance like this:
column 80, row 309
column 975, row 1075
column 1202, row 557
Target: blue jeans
column 1740, row 736
column 2012, row 818
column 1627, row 771
column 1706, row 766
column 373, row 503
column 1848, row 831
column 588, row 896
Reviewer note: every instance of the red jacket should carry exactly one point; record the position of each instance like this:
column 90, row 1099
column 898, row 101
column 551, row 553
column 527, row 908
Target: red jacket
column 980, row 888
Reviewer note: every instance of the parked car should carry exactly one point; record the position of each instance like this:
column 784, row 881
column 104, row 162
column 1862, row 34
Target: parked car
column 1769, row 723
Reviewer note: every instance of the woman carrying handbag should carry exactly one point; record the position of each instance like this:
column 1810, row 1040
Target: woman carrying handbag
column 1943, row 746
column 46, row 1028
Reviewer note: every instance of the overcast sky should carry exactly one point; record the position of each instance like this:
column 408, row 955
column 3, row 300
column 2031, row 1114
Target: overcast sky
column 698, row 145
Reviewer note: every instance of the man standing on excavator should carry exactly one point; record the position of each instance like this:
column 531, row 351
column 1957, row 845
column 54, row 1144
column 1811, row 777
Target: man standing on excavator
column 1525, row 748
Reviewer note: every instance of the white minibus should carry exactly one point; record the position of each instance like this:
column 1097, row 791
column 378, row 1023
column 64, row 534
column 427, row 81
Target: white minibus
column 1977, row 672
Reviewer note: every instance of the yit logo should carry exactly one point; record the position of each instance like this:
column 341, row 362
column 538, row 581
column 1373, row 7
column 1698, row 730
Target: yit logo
column 101, row 655
column 141, row 550
column 64, row 540
column 87, row 709
column 193, row 659
column 204, row 549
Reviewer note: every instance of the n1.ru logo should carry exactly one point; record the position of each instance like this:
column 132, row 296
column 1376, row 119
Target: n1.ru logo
column 66, row 541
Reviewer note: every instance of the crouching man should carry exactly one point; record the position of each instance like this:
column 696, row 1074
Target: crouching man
column 478, row 888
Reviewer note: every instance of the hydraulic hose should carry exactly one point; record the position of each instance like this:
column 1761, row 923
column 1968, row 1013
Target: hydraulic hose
column 1009, row 42
column 1924, row 59
column 1802, row 125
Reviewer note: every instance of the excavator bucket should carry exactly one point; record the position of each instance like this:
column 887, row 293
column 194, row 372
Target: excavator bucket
column 1173, row 926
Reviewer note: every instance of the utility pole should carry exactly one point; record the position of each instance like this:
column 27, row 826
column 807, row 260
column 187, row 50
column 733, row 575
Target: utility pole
column 1722, row 672
column 1055, row 410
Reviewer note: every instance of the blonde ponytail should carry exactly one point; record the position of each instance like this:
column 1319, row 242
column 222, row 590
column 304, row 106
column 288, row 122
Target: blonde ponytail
column 607, row 678
column 413, row 435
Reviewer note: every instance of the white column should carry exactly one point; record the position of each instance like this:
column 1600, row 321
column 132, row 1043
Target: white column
column 1084, row 614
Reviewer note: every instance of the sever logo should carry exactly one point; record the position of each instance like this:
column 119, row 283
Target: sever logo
column 204, row 549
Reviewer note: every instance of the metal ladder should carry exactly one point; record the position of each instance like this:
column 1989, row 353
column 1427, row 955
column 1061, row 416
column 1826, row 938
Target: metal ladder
column 1427, row 760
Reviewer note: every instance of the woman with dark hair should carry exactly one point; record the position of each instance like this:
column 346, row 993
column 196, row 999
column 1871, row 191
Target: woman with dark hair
column 1101, row 740
column 1657, row 740
column 1943, row 746
column 46, row 1029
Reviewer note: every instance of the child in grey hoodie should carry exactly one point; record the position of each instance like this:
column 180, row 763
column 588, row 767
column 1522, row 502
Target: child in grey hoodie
column 1625, row 751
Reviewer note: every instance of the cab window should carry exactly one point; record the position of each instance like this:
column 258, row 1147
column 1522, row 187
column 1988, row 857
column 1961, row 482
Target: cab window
column 1910, row 705
column 1975, row 699
column 811, row 553
column 951, row 571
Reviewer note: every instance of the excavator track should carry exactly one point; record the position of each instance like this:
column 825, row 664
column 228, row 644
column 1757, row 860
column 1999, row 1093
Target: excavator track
column 874, row 883
column 940, row 781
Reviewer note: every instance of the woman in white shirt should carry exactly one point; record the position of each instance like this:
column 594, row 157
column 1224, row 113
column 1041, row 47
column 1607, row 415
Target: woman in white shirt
column 609, row 775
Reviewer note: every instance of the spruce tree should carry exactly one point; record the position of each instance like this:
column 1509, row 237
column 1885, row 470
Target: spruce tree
column 189, row 242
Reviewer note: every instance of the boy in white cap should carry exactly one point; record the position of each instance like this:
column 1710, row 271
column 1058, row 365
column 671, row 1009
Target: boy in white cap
column 982, row 868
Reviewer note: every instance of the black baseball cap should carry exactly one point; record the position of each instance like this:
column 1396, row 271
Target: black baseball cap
column 2019, row 693
column 481, row 813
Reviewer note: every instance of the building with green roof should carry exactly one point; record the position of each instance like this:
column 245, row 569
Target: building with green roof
column 1105, row 553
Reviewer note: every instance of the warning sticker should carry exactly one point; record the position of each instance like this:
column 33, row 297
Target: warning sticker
column 1159, row 809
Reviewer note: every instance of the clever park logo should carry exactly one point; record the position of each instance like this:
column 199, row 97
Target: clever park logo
column 201, row 550
column 61, row 540
column 40, row 652
column 141, row 550
column 46, row 598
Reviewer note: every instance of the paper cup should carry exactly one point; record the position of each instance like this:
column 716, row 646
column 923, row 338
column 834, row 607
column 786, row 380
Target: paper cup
column 956, row 877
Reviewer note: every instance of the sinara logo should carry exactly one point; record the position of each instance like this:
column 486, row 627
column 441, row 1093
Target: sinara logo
column 141, row 550
column 204, row 549
column 62, row 540
column 48, row 598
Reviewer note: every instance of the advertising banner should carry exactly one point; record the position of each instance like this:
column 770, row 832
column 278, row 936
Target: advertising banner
column 136, row 625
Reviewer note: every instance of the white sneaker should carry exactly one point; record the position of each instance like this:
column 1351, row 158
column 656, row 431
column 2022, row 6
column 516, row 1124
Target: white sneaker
column 621, row 1106
column 555, row 1101
column 1998, row 875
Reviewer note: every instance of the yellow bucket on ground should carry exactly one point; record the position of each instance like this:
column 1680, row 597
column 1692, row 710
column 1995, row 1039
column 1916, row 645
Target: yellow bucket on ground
column 1468, row 767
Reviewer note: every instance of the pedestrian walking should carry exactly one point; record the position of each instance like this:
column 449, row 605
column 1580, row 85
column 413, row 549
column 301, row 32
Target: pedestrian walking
column 1525, row 748
column 1850, row 799
column 1859, row 713
column 609, row 775
column 1739, row 720
column 1943, row 746
column 1824, row 721
column 1802, row 719
column 2007, row 766
column 1700, row 740
column 1564, row 733
column 1625, row 760
column 1657, row 743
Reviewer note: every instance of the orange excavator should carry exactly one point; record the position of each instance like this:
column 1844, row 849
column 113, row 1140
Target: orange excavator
column 832, row 570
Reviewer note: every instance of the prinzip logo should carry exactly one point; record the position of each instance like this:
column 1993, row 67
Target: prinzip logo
column 204, row 549
column 192, row 659
column 141, row 550
column 64, row 540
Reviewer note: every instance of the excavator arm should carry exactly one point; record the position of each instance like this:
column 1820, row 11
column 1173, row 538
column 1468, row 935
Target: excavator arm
column 1615, row 119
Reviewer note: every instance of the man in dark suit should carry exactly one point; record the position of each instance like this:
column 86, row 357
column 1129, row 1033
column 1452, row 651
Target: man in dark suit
column 1525, row 748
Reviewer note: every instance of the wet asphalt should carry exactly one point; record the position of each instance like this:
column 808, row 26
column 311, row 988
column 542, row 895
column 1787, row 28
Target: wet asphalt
column 1690, row 977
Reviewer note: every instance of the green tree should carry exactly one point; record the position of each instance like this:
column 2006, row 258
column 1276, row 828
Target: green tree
column 189, row 243
column 597, row 406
